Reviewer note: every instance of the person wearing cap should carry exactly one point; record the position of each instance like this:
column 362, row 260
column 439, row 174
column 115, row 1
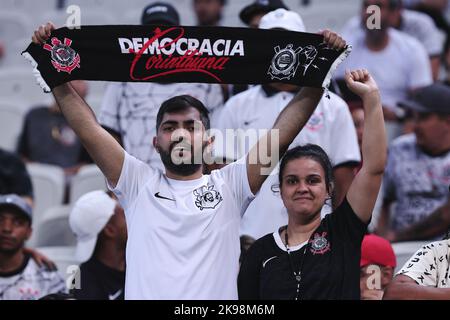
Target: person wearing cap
column 417, row 174
column 21, row 278
column 330, row 127
column 183, row 225
column 425, row 276
column 98, row 223
column 377, row 264
column 208, row 12
column 128, row 109
column 251, row 15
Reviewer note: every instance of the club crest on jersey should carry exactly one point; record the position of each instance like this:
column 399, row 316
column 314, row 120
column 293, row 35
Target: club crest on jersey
column 206, row 197
column 64, row 58
column 320, row 244
column 286, row 61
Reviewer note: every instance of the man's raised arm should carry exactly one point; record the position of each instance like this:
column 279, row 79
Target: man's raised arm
column 288, row 124
column 102, row 147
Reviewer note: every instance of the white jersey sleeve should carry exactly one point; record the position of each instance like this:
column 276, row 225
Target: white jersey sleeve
column 133, row 177
column 235, row 177
column 420, row 71
column 109, row 112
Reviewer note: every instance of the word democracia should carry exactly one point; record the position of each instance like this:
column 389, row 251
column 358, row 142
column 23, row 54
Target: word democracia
column 169, row 46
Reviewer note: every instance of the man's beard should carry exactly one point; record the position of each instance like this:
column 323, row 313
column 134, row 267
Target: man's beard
column 182, row 169
column 12, row 250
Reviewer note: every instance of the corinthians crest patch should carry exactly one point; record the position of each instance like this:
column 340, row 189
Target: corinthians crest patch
column 286, row 61
column 206, row 197
column 64, row 58
column 320, row 244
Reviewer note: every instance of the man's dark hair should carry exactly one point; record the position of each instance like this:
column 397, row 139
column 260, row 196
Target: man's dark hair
column 182, row 103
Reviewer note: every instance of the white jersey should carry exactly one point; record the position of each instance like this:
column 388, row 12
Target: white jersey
column 401, row 67
column 183, row 236
column 416, row 24
column 330, row 127
column 130, row 110
column 30, row 282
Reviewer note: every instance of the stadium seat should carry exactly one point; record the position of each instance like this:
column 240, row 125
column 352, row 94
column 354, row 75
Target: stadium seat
column 53, row 229
column 14, row 25
column 20, row 84
column 11, row 120
column 404, row 251
column 28, row 6
column 63, row 257
column 48, row 188
column 13, row 57
column 89, row 178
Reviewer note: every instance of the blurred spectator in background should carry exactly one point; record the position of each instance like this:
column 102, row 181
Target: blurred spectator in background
column 252, row 14
column 129, row 109
column 330, row 127
column 424, row 276
column 417, row 174
column 47, row 138
column 378, row 264
column 2, row 50
column 446, row 58
column 416, row 24
column 14, row 177
column 21, row 278
column 398, row 62
column 98, row 222
column 436, row 9
column 209, row 12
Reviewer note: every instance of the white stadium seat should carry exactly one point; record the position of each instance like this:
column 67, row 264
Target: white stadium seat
column 11, row 120
column 89, row 178
column 20, row 84
column 54, row 229
column 27, row 5
column 48, row 187
column 14, row 25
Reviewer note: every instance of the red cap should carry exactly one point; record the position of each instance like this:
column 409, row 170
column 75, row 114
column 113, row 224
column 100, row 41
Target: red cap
column 376, row 250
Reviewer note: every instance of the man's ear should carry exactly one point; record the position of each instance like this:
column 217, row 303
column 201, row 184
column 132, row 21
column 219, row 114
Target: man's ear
column 109, row 230
column 155, row 144
column 29, row 233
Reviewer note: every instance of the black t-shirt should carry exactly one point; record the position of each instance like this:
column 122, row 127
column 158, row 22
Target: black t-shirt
column 330, row 267
column 14, row 177
column 99, row 282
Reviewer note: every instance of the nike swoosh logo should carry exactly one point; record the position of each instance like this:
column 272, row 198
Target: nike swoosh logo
column 115, row 295
column 162, row 197
column 265, row 262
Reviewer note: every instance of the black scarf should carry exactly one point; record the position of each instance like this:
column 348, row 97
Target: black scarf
column 183, row 54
